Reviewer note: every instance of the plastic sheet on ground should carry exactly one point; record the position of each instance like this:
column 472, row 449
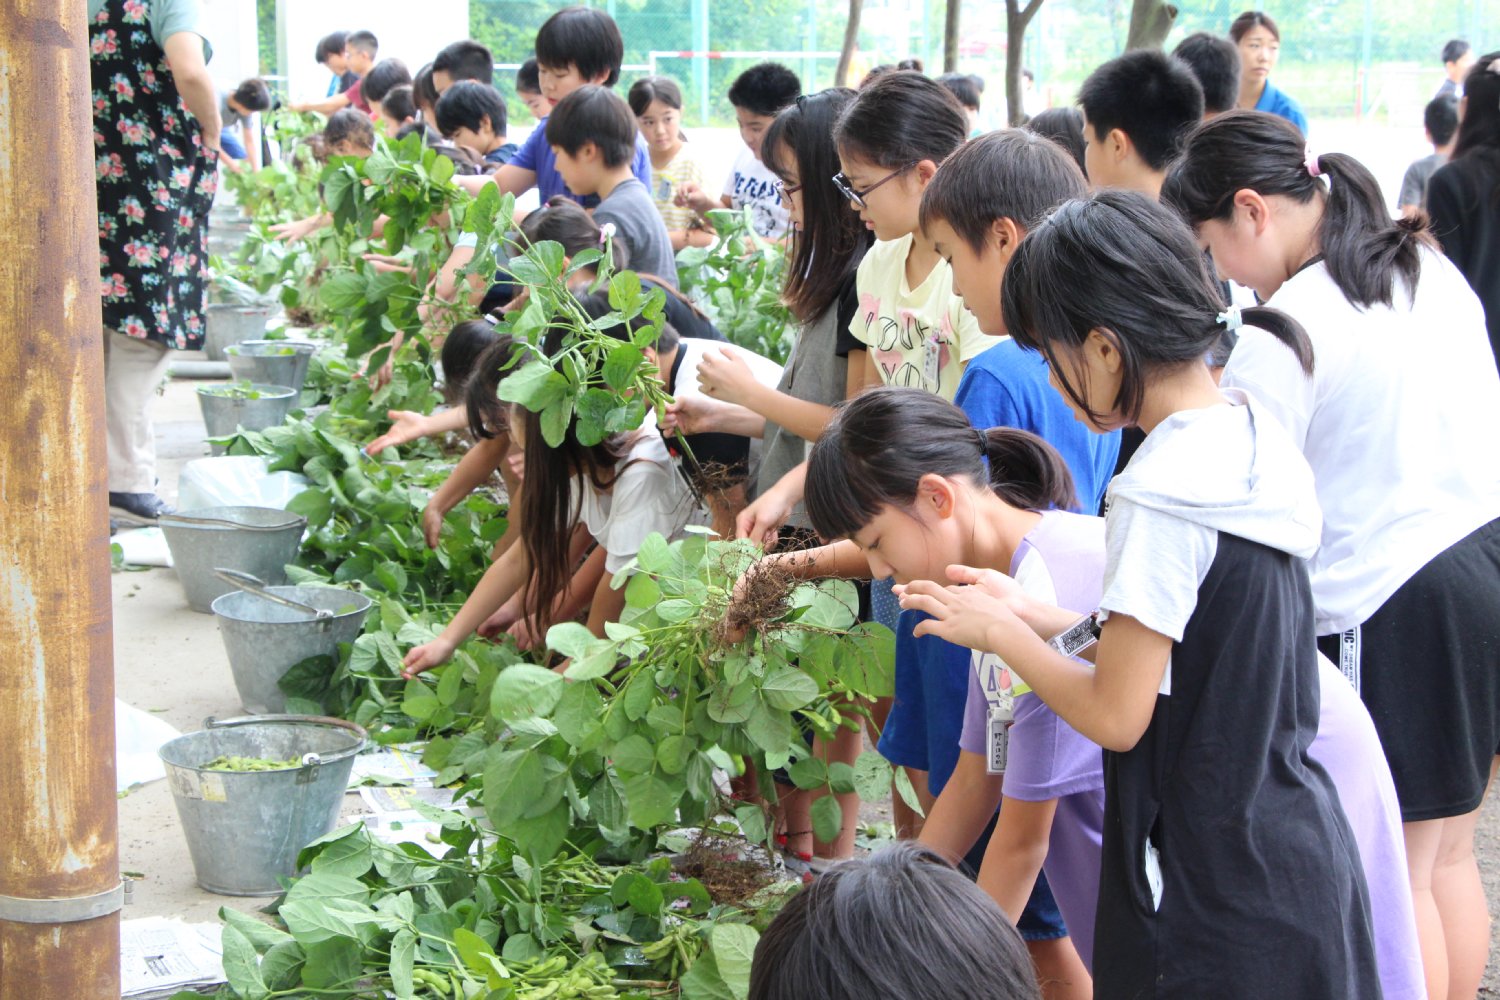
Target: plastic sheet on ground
column 138, row 735
column 235, row 481
column 143, row 547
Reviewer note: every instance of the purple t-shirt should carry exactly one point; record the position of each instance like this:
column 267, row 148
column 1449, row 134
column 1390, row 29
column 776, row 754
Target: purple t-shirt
column 1061, row 562
column 536, row 155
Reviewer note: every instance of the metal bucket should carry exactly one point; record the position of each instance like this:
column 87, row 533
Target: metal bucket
column 222, row 414
column 256, row 540
column 245, row 829
column 274, row 362
column 230, row 323
column 264, row 640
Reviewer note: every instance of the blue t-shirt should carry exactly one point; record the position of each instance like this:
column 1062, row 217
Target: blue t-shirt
column 1279, row 103
column 1006, row 386
column 536, row 155
column 503, row 155
column 927, row 712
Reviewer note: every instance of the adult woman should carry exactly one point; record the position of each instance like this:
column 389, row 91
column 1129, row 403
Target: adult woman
column 1259, row 42
column 156, row 143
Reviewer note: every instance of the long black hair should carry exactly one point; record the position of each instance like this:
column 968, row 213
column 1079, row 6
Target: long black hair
column 462, row 348
column 1479, row 132
column 901, row 119
column 803, row 135
column 899, row 923
column 1122, row 264
column 868, row 459
column 1364, row 250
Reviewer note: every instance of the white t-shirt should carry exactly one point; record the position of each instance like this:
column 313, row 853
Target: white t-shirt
column 1396, row 422
column 692, row 350
column 648, row 496
column 921, row 337
column 752, row 183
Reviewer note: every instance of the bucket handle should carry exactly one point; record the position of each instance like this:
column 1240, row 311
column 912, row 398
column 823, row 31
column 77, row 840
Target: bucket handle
column 326, row 720
column 223, row 522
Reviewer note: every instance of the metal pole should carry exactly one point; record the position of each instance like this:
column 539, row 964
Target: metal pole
column 59, row 862
column 700, row 61
column 809, row 46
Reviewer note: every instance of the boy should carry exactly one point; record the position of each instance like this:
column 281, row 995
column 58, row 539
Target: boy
column 1137, row 111
column 963, row 87
column 592, row 134
column 380, row 81
column 1458, row 59
column 1215, row 62
column 574, row 47
column 472, row 114
column 359, row 54
column 463, row 60
column 529, row 90
column 758, row 95
column 248, row 99
column 331, row 53
column 1440, row 118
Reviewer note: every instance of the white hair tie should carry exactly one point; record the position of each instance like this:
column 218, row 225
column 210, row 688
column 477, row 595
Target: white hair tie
column 1231, row 319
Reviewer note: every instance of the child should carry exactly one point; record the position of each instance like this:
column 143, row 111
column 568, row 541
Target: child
column 1215, row 63
column 616, row 492
column 975, row 212
column 657, row 104
column 348, row 132
column 899, row 923
column 238, row 108
column 1440, row 122
column 1204, row 692
column 1259, row 42
column 963, row 87
column 1408, row 571
column 529, row 90
column 1458, row 59
column 361, row 48
column 574, row 47
column 1461, row 195
column 383, row 76
column 458, row 359
column 1063, row 126
column 398, row 112
column 592, row 134
column 473, row 116
column 1137, row 110
column 462, row 60
column 758, row 95
column 332, row 53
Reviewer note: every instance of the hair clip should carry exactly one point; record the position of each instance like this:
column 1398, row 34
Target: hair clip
column 1231, row 319
column 1311, row 162
column 605, row 232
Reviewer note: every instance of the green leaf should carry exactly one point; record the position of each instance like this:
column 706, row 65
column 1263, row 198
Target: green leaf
column 906, row 791
column 654, row 555
column 625, row 293
column 598, row 660
column 872, row 776
column 281, row 967
column 770, row 730
column 703, row 982
column 350, row 856
column 620, row 366
column 312, row 504
column 752, row 821
column 733, row 947
column 827, row 819
column 311, row 921
column 676, row 610
column 540, row 836
column 523, row 691
column 645, row 896
column 343, row 292
column 473, row 951
column 787, row 689
column 334, row 962
column 242, row 966
column 578, row 715
column 732, row 702
column 325, row 886
column 650, row 801
column 261, row 935
column 809, row 772
column 534, row 385
column 403, row 959
column 841, row 777
column 569, row 638
column 633, row 755
column 672, row 753
column 555, row 419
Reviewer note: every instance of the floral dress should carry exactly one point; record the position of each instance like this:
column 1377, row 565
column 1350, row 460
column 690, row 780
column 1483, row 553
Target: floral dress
column 155, row 184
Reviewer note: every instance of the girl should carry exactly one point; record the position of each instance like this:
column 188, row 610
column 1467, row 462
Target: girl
column 529, row 90
column 657, row 103
column 1259, row 42
column 614, row 493
column 1228, row 865
column 1463, row 195
column 799, row 149
column 1408, row 570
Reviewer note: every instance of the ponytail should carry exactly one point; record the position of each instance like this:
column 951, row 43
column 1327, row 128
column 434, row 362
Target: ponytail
column 1285, row 329
column 1363, row 249
column 869, row 458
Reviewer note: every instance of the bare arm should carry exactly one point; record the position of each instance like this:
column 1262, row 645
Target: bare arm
column 511, row 180
column 1016, row 852
column 966, row 804
column 252, row 151
column 335, row 103
column 184, row 51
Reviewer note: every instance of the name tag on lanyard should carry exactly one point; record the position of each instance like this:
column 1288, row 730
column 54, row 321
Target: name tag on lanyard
column 997, row 734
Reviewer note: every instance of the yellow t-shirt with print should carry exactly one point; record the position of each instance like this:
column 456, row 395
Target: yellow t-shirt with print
column 667, row 181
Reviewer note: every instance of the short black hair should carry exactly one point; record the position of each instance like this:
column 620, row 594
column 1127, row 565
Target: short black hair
column 467, row 104
column 1215, row 62
column 465, row 60
column 253, row 95
column 901, row 118
column 365, row 41
column 1150, row 97
column 331, row 45
column 464, row 345
column 1454, row 49
column 1063, row 126
column 765, row 88
column 654, row 88
column 962, row 86
column 398, row 104
column 585, row 38
column 593, row 114
column 1011, row 174
column 348, row 125
column 1441, row 119
column 528, row 80
column 383, row 76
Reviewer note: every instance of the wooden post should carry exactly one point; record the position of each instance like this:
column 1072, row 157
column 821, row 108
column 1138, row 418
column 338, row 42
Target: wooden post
column 59, row 853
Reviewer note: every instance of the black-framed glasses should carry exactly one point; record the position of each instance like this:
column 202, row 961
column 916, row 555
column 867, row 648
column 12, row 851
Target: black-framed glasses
column 858, row 197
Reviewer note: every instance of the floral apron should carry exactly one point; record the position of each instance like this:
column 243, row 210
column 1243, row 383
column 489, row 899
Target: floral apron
column 155, row 185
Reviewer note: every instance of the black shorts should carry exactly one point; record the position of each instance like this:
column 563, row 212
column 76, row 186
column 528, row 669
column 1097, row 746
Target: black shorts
column 1427, row 666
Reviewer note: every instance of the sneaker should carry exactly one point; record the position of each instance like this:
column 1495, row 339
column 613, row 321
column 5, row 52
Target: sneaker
column 137, row 508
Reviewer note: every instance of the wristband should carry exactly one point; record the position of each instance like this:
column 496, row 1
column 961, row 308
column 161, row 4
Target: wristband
column 1077, row 637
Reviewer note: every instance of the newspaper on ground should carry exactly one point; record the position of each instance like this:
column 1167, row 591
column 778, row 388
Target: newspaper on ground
column 160, row 957
column 393, row 765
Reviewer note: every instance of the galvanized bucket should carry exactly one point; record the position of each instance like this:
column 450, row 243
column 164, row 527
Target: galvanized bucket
column 273, row 362
column 230, row 323
column 264, row 640
column 245, row 828
column 223, row 414
column 256, row 540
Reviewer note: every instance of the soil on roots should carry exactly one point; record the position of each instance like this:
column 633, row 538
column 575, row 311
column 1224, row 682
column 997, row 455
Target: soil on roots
column 721, row 867
column 767, row 599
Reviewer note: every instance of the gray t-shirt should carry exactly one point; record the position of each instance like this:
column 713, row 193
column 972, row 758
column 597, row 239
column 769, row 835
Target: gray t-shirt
column 1414, row 184
column 230, row 116
column 636, row 221
column 167, row 18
